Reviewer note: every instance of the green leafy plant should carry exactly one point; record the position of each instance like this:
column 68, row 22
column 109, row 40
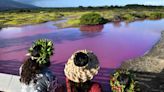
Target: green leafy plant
column 45, row 52
column 122, row 81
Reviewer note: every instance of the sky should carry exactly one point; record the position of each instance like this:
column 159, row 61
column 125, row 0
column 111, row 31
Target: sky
column 76, row 3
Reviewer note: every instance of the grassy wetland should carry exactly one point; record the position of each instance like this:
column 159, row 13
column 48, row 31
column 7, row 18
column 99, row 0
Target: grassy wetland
column 127, row 13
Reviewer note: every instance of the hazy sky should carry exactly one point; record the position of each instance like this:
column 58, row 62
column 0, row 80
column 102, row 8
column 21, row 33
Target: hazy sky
column 75, row 3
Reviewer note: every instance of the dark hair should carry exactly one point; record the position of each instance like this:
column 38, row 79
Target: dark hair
column 124, row 79
column 31, row 67
column 80, row 87
column 29, row 70
column 36, row 51
column 81, row 59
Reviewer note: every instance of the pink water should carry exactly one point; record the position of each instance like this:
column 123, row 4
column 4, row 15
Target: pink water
column 113, row 43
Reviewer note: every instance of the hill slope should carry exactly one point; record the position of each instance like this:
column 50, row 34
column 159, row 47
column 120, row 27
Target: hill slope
column 10, row 4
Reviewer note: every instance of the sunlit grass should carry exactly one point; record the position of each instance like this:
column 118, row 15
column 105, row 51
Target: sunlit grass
column 70, row 23
column 18, row 19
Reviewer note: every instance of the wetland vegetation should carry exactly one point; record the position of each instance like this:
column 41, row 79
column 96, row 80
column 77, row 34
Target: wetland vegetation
column 74, row 15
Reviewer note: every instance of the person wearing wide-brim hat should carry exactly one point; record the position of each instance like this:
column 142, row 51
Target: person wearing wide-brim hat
column 80, row 69
column 35, row 76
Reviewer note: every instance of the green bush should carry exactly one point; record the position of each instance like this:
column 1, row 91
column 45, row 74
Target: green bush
column 128, row 17
column 92, row 19
column 139, row 15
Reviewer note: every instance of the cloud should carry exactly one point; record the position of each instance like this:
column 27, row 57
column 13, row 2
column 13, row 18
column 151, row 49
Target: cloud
column 159, row 2
column 72, row 3
column 27, row 1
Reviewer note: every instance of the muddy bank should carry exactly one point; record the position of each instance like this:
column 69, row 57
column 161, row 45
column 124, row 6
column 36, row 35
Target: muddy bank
column 150, row 62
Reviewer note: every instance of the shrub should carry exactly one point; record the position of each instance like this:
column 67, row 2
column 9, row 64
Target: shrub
column 155, row 15
column 139, row 15
column 92, row 19
column 128, row 17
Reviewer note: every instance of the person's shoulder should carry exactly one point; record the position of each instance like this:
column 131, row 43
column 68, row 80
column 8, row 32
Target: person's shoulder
column 49, row 74
column 96, row 87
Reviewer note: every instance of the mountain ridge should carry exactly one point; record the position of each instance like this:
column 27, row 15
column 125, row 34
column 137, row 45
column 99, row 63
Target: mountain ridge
column 10, row 4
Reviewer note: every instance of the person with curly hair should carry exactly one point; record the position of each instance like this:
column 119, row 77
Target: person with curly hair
column 35, row 76
column 80, row 70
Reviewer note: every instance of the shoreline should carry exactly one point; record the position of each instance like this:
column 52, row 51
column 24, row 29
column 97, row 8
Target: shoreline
column 152, row 61
column 22, row 25
column 65, row 25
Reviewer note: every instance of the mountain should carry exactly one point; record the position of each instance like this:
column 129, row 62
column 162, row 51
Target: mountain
column 10, row 4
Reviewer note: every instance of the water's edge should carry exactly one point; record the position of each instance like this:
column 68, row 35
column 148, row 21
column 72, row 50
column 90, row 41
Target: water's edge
column 152, row 61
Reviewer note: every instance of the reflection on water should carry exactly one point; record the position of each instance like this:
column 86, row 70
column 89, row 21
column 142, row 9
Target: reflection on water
column 117, row 24
column 93, row 28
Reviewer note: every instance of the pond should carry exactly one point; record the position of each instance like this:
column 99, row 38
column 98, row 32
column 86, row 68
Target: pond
column 113, row 43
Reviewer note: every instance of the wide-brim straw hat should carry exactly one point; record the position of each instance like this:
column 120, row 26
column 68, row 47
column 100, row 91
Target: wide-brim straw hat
column 82, row 74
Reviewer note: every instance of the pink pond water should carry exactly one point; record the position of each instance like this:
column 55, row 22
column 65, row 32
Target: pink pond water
column 113, row 43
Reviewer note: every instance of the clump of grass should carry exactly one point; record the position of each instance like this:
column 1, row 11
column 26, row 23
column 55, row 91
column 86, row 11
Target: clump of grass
column 70, row 23
column 18, row 19
column 74, row 22
column 108, row 15
column 155, row 15
column 140, row 15
column 128, row 17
